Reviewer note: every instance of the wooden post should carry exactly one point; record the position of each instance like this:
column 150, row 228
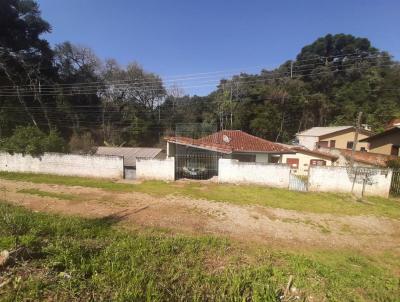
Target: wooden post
column 355, row 142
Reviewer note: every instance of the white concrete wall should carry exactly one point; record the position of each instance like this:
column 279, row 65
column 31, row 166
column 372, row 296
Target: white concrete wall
column 64, row 164
column 233, row 171
column 307, row 141
column 156, row 169
column 340, row 179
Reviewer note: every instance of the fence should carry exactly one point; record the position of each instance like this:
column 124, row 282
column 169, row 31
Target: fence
column 298, row 182
column 358, row 180
column 64, row 164
column 395, row 185
column 157, row 169
column 233, row 171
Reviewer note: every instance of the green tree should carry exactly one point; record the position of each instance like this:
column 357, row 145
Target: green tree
column 26, row 62
column 33, row 141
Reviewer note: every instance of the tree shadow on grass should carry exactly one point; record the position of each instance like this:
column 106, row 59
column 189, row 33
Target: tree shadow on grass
column 109, row 220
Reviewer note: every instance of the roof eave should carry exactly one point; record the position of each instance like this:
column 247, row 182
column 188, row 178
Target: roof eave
column 267, row 152
column 201, row 147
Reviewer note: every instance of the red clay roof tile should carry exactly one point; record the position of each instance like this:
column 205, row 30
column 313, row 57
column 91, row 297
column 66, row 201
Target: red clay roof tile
column 228, row 141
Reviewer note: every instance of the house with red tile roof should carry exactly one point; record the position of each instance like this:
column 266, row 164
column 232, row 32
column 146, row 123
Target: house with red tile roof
column 235, row 144
column 361, row 158
column 229, row 144
column 198, row 157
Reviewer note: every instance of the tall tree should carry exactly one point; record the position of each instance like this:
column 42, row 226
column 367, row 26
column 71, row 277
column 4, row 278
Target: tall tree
column 25, row 63
column 78, row 87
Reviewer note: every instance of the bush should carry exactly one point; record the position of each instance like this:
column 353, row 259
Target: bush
column 394, row 164
column 82, row 143
column 33, row 141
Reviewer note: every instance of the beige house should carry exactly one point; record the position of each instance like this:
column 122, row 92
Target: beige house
column 301, row 161
column 341, row 137
column 387, row 142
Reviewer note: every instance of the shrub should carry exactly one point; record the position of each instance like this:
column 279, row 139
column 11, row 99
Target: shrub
column 82, row 143
column 394, row 163
column 31, row 140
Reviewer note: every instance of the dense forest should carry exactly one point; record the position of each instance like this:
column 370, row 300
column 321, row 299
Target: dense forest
column 64, row 98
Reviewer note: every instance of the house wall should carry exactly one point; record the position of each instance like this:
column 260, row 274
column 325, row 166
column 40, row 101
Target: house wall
column 342, row 139
column 233, row 171
column 307, row 141
column 304, row 162
column 156, row 169
column 102, row 166
column 171, row 149
column 341, row 179
column 262, row 158
column 383, row 145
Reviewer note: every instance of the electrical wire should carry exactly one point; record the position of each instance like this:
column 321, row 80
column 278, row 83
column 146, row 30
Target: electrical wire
column 212, row 83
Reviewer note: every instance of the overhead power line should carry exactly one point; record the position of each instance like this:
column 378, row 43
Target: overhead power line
column 179, row 78
column 99, row 89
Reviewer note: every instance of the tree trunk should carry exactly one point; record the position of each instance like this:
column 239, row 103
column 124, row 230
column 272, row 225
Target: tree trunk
column 38, row 97
column 21, row 100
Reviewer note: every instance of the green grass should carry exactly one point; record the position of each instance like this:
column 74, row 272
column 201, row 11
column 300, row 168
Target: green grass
column 67, row 181
column 341, row 204
column 48, row 194
column 75, row 259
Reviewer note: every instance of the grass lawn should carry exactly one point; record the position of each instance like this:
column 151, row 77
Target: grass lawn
column 342, row 204
column 75, row 259
column 48, row 194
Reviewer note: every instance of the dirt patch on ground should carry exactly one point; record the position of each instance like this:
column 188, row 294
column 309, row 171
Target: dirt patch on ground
column 244, row 223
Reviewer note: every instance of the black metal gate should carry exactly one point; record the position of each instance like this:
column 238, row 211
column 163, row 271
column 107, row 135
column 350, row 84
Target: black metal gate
column 395, row 185
column 196, row 166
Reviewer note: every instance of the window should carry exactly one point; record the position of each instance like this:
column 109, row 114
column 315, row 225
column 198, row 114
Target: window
column 350, row 145
column 323, row 144
column 293, row 162
column 317, row 162
column 249, row 158
column 274, row 159
column 394, row 150
column 332, row 144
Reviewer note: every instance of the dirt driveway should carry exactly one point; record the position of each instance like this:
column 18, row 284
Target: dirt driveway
column 185, row 215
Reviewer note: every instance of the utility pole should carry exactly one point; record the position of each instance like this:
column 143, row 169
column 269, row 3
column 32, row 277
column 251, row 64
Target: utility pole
column 355, row 142
column 230, row 103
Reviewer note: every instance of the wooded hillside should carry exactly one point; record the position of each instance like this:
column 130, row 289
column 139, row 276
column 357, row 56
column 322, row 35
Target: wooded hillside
column 67, row 90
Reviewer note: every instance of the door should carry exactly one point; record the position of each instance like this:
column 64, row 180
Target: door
column 395, row 150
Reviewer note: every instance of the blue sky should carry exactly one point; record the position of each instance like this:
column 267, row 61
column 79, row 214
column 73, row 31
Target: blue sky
column 190, row 36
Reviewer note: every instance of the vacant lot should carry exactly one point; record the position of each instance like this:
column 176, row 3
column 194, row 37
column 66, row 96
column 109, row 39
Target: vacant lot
column 341, row 204
column 194, row 241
